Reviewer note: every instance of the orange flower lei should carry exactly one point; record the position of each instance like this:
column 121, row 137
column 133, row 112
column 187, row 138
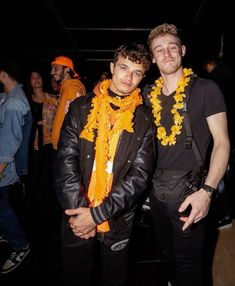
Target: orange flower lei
column 179, row 105
column 99, row 119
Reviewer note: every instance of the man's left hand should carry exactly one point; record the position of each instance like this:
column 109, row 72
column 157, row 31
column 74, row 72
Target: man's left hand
column 81, row 220
column 200, row 203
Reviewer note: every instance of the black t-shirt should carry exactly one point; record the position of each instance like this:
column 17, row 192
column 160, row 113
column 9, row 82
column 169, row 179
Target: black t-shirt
column 205, row 99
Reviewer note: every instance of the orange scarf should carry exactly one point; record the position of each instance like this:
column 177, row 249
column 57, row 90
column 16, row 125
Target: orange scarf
column 109, row 124
column 70, row 90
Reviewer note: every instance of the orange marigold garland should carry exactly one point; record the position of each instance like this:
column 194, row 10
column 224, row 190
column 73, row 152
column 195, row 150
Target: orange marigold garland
column 100, row 119
column 179, row 105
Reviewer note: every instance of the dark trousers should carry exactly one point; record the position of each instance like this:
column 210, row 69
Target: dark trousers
column 101, row 260
column 183, row 249
column 10, row 226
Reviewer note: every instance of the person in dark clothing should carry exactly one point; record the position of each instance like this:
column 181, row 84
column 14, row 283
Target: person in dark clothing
column 180, row 198
column 43, row 105
column 103, row 165
column 223, row 75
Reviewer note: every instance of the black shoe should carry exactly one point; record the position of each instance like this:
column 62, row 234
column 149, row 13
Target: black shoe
column 15, row 259
column 224, row 223
column 2, row 239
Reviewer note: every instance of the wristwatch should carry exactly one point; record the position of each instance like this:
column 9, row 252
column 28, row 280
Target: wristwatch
column 210, row 190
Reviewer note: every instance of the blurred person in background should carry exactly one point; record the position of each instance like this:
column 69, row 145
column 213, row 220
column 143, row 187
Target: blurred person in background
column 43, row 106
column 71, row 87
column 15, row 129
column 223, row 75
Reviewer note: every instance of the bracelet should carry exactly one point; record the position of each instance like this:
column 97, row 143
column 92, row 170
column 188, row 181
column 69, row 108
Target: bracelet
column 210, row 190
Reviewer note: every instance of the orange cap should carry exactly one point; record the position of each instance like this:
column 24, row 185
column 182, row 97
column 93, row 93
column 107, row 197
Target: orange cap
column 65, row 61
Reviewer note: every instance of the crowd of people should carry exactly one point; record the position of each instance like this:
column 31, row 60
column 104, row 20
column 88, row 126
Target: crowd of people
column 96, row 156
column 31, row 118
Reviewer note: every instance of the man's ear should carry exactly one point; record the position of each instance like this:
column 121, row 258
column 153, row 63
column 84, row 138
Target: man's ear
column 183, row 48
column 67, row 70
column 111, row 67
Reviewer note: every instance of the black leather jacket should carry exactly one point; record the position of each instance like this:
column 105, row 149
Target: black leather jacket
column 132, row 169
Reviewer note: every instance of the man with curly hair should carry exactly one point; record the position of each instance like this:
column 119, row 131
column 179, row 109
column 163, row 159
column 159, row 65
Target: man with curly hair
column 104, row 161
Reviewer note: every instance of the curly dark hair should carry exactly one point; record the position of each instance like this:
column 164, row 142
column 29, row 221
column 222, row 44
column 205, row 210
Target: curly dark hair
column 134, row 52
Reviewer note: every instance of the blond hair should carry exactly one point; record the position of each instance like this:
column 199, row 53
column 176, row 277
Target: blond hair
column 163, row 30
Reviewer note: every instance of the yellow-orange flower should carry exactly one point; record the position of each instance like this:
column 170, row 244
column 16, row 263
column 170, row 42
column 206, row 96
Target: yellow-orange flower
column 178, row 105
column 107, row 122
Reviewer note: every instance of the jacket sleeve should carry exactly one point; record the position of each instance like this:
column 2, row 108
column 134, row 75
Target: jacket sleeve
column 11, row 134
column 132, row 184
column 67, row 173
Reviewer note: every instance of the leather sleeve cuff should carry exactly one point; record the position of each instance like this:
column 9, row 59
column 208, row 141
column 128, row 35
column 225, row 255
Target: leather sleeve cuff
column 98, row 215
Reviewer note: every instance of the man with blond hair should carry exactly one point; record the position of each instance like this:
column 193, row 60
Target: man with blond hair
column 189, row 112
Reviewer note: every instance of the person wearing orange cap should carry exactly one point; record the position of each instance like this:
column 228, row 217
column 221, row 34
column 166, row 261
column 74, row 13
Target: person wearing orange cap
column 63, row 72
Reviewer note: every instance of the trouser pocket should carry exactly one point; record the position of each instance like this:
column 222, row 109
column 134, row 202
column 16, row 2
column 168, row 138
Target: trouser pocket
column 175, row 185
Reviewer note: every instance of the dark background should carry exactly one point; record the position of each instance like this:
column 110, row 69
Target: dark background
column 35, row 32
column 90, row 31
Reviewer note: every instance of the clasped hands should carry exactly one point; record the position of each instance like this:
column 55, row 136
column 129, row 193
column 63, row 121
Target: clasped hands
column 81, row 222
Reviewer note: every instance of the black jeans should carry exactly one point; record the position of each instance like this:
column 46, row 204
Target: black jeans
column 102, row 259
column 183, row 249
